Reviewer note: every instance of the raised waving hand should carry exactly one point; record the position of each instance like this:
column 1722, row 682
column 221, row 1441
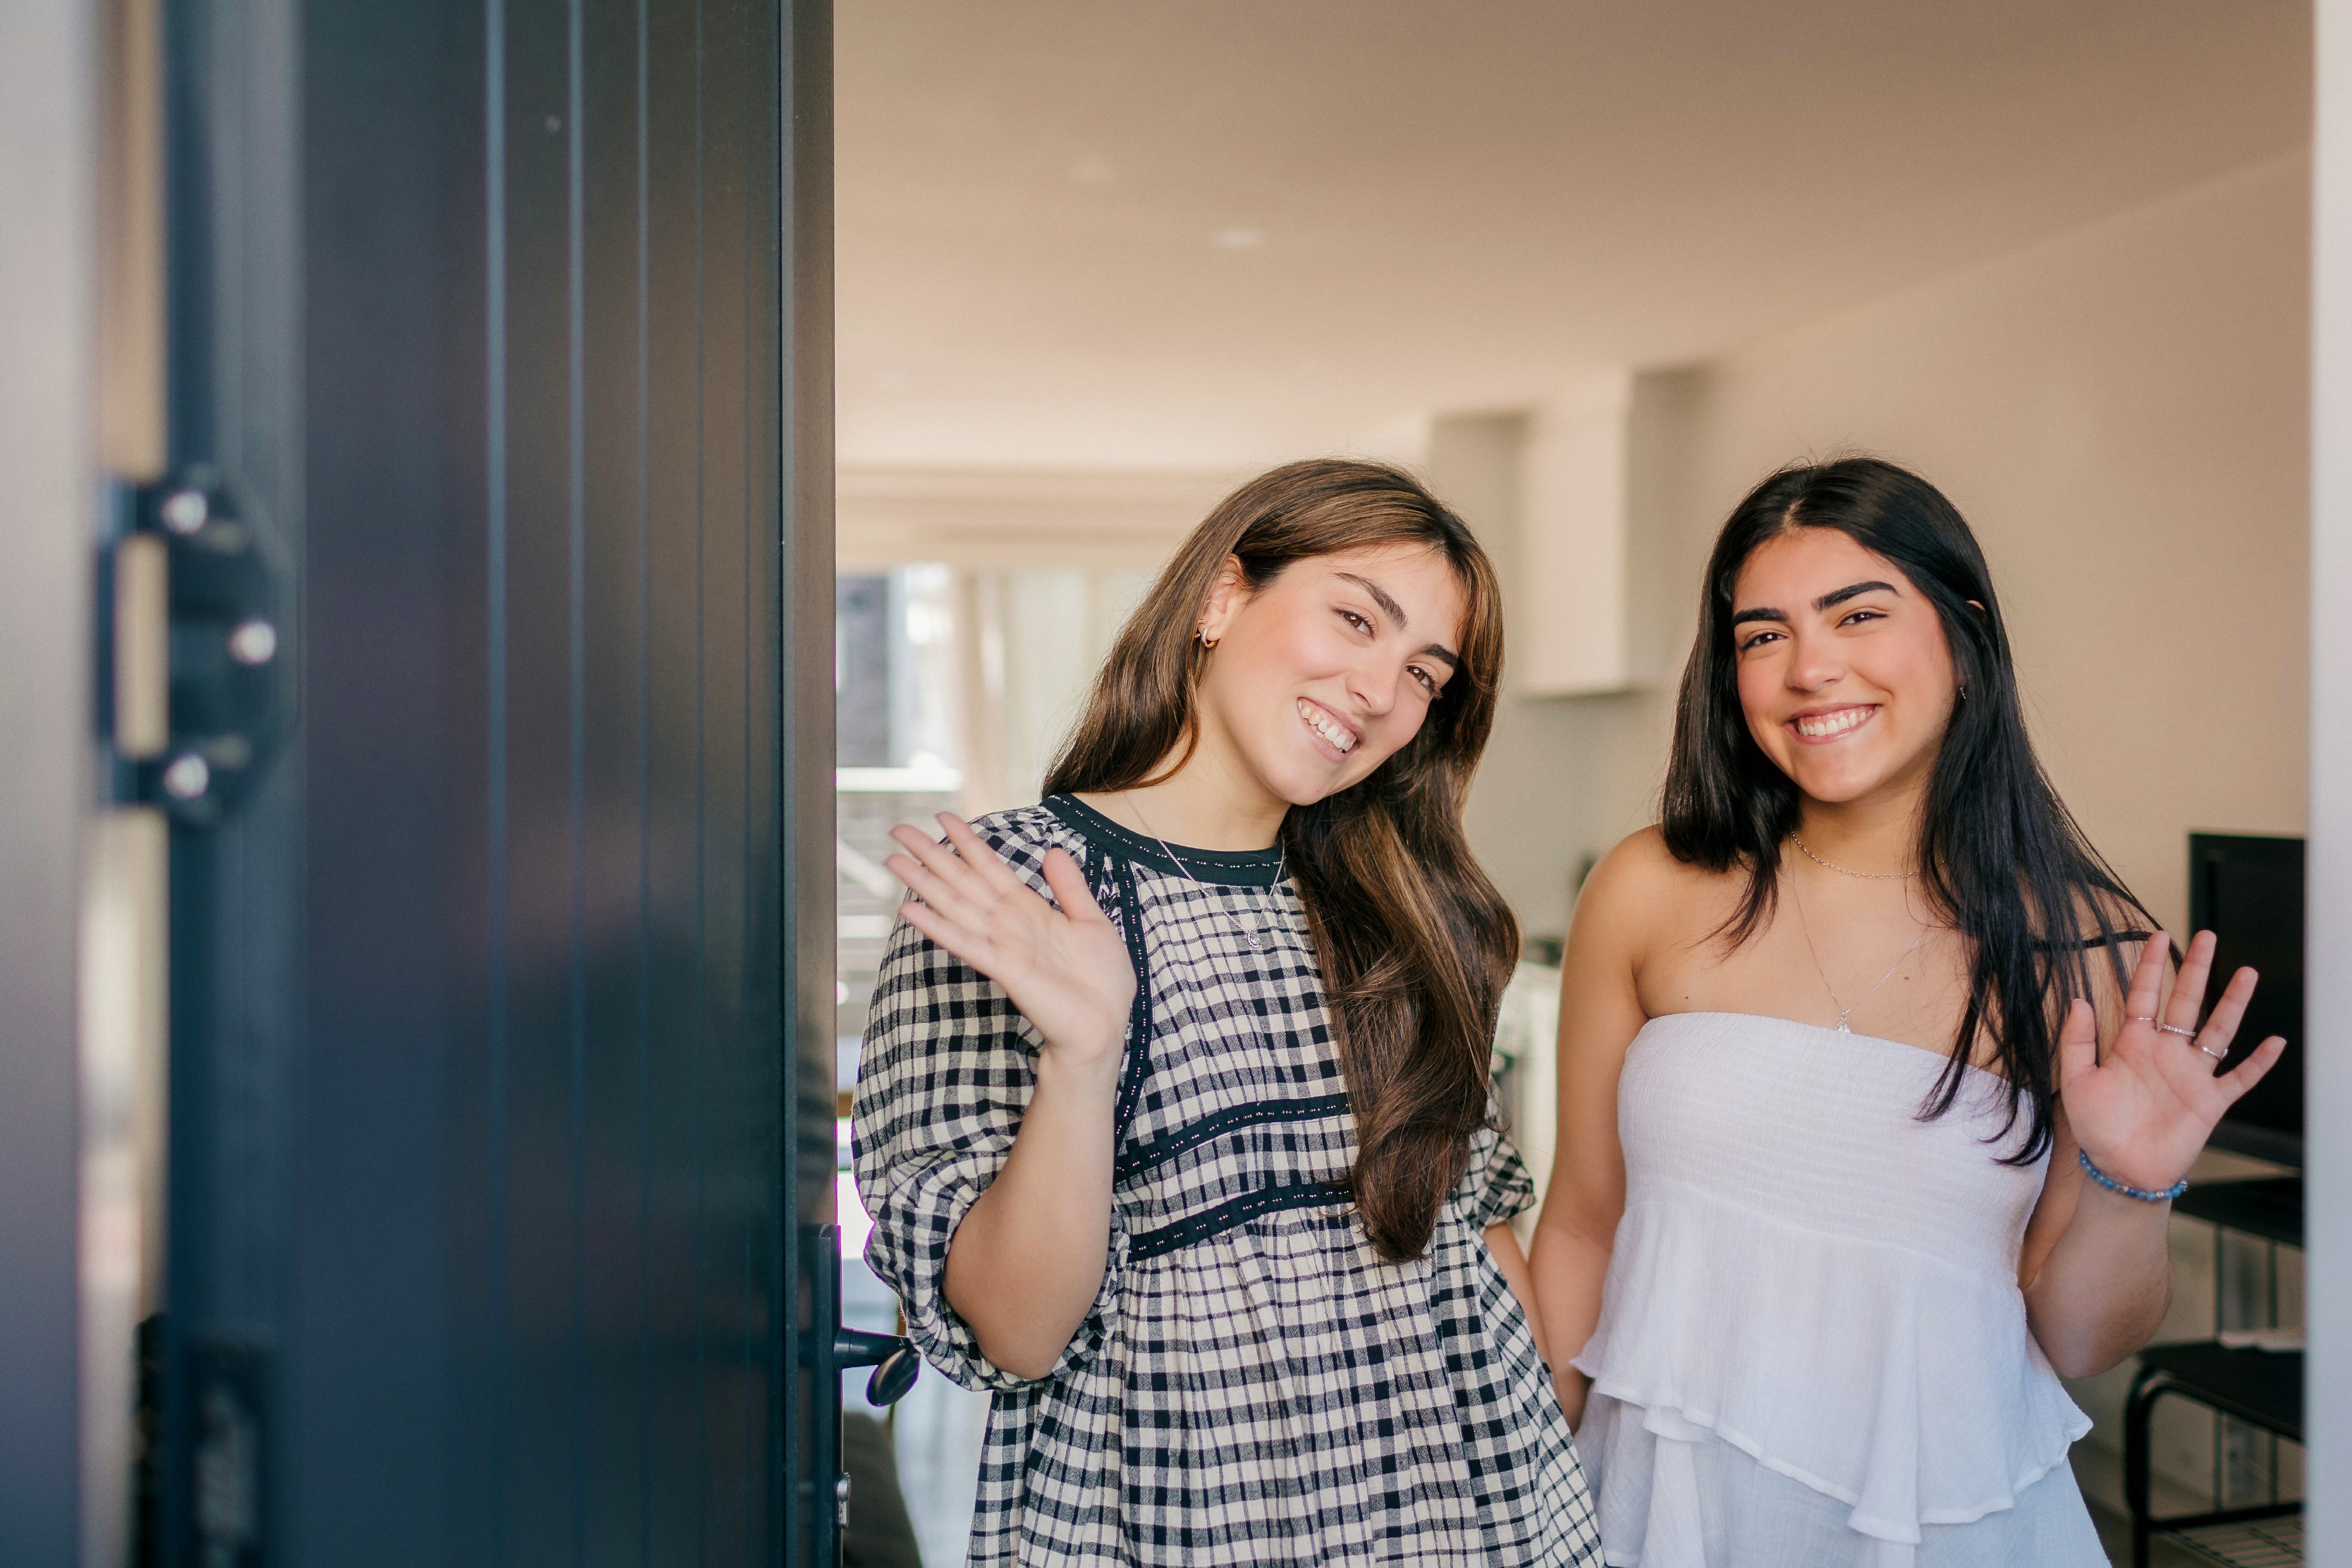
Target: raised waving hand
column 1066, row 968
column 2143, row 1110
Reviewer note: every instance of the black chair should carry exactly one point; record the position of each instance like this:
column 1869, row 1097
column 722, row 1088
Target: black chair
column 2263, row 1388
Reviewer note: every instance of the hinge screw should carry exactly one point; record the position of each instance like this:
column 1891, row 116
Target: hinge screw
column 254, row 642
column 187, row 778
column 185, row 512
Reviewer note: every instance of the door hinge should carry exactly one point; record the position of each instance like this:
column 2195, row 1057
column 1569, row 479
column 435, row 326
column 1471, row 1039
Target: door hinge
column 194, row 680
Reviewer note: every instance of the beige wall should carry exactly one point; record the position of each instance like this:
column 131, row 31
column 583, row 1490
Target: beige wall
column 2122, row 416
column 1516, row 809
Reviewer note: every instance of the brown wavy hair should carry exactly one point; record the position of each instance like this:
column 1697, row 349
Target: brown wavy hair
column 1415, row 941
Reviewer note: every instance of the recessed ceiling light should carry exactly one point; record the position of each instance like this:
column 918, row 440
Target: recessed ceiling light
column 1241, row 238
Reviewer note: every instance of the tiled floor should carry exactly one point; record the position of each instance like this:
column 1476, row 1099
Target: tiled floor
column 2100, row 1472
column 2115, row 1531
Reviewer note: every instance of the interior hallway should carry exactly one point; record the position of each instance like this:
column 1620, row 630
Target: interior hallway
column 1594, row 273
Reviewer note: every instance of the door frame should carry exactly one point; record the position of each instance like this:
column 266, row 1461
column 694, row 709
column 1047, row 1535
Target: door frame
column 2327, row 1011
column 49, row 256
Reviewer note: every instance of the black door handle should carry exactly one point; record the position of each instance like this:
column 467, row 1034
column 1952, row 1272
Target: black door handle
column 892, row 1357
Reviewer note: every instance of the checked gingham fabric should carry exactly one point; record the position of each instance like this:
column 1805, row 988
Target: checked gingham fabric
column 1252, row 1384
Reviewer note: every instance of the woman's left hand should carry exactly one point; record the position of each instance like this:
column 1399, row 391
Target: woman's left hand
column 2144, row 1112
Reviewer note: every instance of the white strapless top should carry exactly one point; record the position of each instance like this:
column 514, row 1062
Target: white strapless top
column 1820, row 1279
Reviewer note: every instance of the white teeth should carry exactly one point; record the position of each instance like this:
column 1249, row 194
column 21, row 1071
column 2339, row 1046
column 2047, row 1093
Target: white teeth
column 1835, row 723
column 1323, row 725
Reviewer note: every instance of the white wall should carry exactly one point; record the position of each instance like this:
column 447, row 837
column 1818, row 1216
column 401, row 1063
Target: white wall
column 1512, row 813
column 1564, row 778
column 2121, row 415
column 48, row 263
column 2329, row 1172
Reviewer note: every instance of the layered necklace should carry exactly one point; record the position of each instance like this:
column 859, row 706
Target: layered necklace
column 1846, row 1010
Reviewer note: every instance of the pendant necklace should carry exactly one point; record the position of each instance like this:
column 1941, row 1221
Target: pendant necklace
column 1256, row 939
column 1844, row 1011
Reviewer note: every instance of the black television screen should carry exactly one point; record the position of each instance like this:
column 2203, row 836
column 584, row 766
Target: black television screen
column 2249, row 892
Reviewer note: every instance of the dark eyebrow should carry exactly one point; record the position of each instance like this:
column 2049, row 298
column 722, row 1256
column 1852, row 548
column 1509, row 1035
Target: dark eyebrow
column 1826, row 602
column 1395, row 612
column 1831, row 601
column 1381, row 596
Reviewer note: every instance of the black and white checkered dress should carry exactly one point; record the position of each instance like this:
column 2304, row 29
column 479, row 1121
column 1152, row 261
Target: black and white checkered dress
column 1252, row 1384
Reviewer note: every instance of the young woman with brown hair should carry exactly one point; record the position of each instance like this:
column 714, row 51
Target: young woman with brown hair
column 1175, row 1119
column 1872, row 1095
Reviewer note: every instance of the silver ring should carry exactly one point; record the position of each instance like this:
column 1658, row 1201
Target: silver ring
column 2217, row 1056
column 2139, row 1018
column 2177, row 1029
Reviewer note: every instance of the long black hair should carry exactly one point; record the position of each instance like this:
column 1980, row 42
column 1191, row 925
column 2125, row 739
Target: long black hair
column 2000, row 857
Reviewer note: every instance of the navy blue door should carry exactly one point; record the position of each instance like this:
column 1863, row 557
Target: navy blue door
column 502, row 1012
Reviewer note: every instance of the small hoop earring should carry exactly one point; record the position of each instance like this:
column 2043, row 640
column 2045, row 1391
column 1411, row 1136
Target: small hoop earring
column 1964, row 691
column 1203, row 639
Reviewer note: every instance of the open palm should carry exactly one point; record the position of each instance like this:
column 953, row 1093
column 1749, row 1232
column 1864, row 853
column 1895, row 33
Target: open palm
column 2144, row 1109
column 1066, row 968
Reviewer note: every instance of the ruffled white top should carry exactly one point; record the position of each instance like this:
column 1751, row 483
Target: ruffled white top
column 1812, row 1326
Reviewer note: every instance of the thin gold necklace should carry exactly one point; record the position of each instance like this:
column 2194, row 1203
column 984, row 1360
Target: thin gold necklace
column 1848, row 870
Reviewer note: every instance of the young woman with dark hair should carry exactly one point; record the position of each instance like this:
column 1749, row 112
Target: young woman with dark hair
column 1173, row 1118
column 1873, row 1093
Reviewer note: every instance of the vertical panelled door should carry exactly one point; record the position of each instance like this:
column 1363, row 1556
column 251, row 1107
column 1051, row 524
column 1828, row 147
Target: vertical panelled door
column 501, row 1028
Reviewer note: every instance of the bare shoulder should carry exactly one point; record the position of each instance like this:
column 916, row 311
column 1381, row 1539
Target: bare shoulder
column 1639, row 893
column 1641, row 868
column 1632, row 909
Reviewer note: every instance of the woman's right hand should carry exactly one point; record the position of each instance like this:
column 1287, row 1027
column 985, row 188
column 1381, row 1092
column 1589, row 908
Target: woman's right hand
column 1067, row 970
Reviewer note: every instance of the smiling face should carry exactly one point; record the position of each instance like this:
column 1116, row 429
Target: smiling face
column 1845, row 677
column 1330, row 670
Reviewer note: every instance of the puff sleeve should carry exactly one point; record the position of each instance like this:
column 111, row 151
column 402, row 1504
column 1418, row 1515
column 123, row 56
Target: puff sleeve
column 946, row 1071
column 1496, row 1187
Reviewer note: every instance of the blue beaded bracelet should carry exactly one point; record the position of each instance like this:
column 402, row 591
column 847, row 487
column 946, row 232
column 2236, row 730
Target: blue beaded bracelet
column 2142, row 1193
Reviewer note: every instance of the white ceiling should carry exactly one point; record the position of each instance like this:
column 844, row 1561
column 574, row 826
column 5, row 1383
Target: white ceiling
column 1216, row 232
